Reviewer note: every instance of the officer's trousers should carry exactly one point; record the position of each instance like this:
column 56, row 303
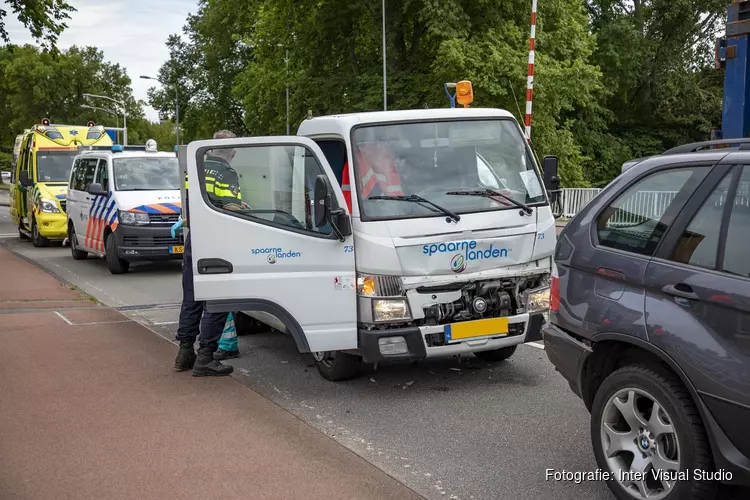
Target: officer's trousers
column 195, row 321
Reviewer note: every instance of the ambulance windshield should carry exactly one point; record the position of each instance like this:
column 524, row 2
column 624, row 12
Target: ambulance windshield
column 440, row 160
column 146, row 174
column 54, row 166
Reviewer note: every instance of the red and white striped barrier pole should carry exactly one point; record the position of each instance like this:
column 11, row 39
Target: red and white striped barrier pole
column 530, row 78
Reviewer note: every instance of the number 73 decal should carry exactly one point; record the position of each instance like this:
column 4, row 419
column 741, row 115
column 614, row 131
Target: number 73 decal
column 348, row 248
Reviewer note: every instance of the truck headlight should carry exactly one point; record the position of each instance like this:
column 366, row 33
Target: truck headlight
column 537, row 300
column 373, row 285
column 133, row 218
column 49, row 206
column 390, row 310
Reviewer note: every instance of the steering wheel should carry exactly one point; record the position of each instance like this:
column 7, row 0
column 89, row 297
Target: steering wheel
column 279, row 216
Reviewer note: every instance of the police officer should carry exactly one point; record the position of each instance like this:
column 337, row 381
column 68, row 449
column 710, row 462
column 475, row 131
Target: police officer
column 223, row 190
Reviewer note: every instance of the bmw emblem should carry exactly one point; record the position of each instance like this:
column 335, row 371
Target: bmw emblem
column 458, row 263
column 644, row 443
column 271, row 259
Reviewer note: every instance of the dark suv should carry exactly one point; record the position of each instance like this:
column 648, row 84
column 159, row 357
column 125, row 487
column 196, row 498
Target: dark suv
column 650, row 322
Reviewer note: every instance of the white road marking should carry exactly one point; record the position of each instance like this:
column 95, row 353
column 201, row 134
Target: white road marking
column 535, row 344
column 159, row 323
column 64, row 318
column 9, row 235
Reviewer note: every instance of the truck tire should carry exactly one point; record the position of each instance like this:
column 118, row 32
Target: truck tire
column 37, row 239
column 247, row 326
column 115, row 264
column 337, row 366
column 73, row 239
column 496, row 355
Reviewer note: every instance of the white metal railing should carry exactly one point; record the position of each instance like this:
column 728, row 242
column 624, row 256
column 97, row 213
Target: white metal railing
column 640, row 205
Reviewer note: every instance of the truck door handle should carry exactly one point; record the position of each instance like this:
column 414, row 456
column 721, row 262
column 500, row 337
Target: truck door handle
column 214, row 266
column 681, row 290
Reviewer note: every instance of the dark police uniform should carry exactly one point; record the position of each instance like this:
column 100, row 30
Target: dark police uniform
column 222, row 188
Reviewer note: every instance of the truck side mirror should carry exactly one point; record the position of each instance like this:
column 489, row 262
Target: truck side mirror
column 549, row 168
column 322, row 200
column 24, row 179
column 96, row 189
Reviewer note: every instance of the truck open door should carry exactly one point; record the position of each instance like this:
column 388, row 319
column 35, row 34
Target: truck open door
column 271, row 255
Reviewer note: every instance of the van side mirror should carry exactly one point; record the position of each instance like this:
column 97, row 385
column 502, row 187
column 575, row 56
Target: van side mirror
column 549, row 169
column 96, row 189
column 24, row 179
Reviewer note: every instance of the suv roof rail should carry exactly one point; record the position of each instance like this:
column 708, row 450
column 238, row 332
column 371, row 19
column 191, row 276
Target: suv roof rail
column 697, row 146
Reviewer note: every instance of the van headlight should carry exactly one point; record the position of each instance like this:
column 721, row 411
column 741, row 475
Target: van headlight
column 48, row 206
column 537, row 300
column 132, row 218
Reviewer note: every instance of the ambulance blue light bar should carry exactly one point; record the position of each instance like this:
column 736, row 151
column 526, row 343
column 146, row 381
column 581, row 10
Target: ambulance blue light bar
column 117, row 148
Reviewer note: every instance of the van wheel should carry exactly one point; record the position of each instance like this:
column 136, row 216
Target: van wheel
column 337, row 366
column 115, row 264
column 644, row 420
column 73, row 240
column 496, row 355
column 37, row 239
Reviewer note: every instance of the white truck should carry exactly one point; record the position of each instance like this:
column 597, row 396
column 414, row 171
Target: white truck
column 445, row 249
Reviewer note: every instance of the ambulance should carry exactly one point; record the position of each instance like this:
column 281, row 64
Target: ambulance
column 381, row 237
column 40, row 178
column 122, row 203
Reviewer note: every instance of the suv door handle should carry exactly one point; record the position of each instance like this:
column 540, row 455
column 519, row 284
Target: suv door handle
column 214, row 266
column 681, row 290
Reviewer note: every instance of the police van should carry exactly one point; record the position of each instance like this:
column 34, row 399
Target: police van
column 441, row 244
column 122, row 203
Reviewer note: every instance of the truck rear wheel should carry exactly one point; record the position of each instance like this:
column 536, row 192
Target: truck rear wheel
column 337, row 366
column 37, row 239
column 496, row 355
column 115, row 264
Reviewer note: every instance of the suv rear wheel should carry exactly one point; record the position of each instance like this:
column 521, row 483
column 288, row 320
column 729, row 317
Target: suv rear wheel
column 644, row 421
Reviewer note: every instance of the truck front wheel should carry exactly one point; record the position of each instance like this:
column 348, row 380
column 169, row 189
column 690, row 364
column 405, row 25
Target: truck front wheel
column 337, row 366
column 496, row 355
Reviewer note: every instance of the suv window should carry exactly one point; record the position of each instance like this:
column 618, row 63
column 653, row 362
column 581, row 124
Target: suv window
column 699, row 243
column 633, row 222
column 736, row 260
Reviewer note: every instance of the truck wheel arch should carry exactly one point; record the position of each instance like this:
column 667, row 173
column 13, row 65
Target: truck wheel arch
column 266, row 306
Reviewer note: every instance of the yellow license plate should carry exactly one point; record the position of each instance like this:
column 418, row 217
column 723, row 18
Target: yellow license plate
column 177, row 249
column 478, row 328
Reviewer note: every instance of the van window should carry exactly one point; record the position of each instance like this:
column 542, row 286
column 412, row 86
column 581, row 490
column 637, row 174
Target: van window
column 83, row 175
column 633, row 222
column 736, row 260
column 102, row 174
column 699, row 243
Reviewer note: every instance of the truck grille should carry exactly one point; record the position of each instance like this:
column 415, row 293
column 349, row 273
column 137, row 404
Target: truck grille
column 163, row 218
column 151, row 241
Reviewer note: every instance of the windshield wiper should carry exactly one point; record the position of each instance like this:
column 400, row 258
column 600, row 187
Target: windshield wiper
column 415, row 198
column 490, row 193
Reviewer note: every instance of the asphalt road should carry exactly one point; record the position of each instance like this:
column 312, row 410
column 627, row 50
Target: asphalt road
column 456, row 429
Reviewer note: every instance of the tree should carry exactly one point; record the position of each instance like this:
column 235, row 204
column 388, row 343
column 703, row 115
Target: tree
column 45, row 19
column 37, row 84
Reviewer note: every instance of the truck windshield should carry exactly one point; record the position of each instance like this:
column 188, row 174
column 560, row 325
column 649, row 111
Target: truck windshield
column 54, row 166
column 436, row 159
column 146, row 174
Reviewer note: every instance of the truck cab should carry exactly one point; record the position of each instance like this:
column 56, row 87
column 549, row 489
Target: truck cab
column 383, row 236
column 122, row 203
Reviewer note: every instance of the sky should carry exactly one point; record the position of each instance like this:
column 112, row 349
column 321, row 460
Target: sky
column 131, row 33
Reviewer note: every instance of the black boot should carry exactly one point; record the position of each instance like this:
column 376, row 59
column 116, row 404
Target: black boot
column 185, row 357
column 207, row 366
column 221, row 355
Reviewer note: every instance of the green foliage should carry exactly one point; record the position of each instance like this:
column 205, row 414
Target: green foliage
column 6, row 161
column 38, row 84
column 45, row 19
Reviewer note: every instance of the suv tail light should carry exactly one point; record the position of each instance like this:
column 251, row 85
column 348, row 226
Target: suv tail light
column 554, row 291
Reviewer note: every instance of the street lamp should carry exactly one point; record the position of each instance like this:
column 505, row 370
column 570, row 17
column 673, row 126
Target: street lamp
column 108, row 111
column 124, row 114
column 385, row 80
column 176, row 106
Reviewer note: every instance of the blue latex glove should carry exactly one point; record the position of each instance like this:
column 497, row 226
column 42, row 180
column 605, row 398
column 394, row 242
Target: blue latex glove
column 176, row 226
